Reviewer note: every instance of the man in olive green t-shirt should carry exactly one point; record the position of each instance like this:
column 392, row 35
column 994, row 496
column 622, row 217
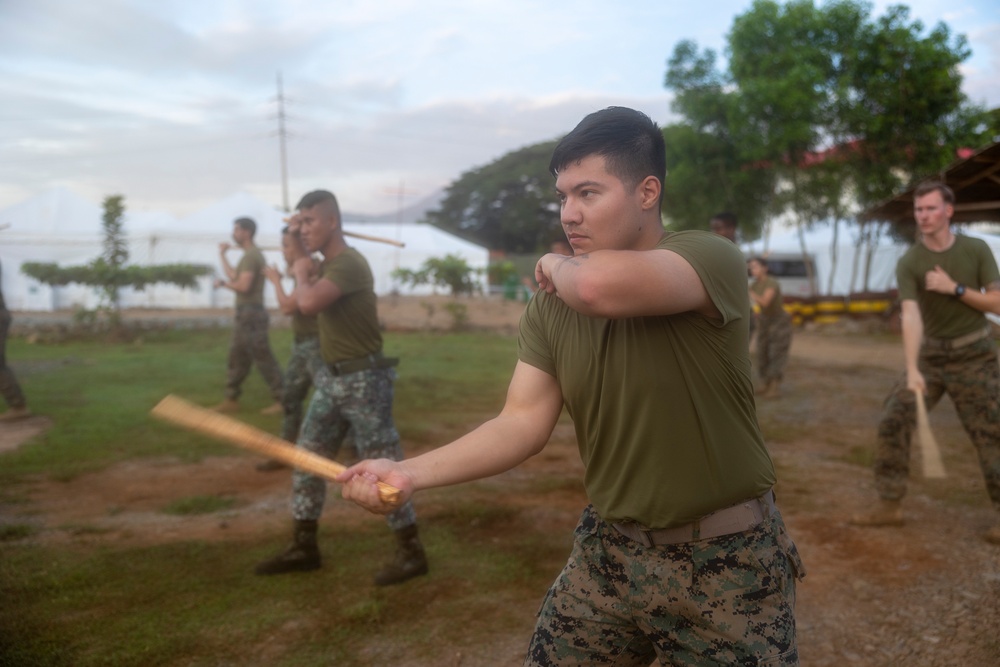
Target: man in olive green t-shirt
column 642, row 336
column 946, row 285
column 250, row 344
column 352, row 388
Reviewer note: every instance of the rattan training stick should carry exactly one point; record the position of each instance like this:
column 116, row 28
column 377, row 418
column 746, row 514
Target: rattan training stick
column 929, row 450
column 196, row 418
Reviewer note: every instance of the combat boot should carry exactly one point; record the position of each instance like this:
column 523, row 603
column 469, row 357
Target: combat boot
column 886, row 513
column 301, row 556
column 410, row 560
column 227, row 406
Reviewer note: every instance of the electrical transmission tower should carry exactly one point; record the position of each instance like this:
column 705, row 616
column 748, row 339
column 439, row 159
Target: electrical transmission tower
column 282, row 136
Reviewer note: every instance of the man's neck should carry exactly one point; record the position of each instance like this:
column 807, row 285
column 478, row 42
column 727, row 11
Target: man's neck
column 939, row 241
column 333, row 247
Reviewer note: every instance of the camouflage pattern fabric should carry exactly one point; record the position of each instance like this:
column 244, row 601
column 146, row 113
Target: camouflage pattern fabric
column 971, row 377
column 722, row 601
column 249, row 346
column 774, row 338
column 298, row 381
column 9, row 386
column 361, row 402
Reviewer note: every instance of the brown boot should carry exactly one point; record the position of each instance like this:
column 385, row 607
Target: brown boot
column 410, row 560
column 228, row 406
column 992, row 535
column 273, row 409
column 886, row 513
column 301, row 556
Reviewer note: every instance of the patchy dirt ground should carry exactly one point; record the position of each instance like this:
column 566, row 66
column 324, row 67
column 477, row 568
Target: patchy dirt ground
column 926, row 594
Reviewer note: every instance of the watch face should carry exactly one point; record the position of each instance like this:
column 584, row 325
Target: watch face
column 959, row 290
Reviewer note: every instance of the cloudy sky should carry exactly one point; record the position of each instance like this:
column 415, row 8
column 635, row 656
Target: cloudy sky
column 173, row 103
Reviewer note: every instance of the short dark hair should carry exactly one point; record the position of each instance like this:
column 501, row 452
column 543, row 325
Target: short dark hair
column 247, row 224
column 927, row 187
column 317, row 197
column 629, row 141
column 726, row 217
column 760, row 260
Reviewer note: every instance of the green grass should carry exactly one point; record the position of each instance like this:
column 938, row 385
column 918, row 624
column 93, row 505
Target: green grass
column 83, row 600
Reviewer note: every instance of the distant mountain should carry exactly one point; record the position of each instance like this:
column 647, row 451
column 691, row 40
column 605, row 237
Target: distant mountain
column 412, row 213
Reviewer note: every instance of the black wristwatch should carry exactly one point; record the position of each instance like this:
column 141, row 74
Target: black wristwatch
column 959, row 290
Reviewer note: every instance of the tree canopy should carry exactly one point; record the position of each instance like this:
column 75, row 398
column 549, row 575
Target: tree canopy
column 507, row 205
column 834, row 104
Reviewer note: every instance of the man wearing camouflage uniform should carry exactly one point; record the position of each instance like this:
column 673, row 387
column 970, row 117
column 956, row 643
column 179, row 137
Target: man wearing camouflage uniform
column 250, row 344
column 642, row 336
column 946, row 284
column 353, row 388
column 305, row 347
column 17, row 405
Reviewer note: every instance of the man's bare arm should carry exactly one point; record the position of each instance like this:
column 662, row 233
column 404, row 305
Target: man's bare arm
column 533, row 405
column 913, row 335
column 625, row 283
column 987, row 301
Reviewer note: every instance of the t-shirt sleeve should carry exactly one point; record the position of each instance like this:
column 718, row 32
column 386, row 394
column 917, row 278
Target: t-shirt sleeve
column 721, row 267
column 346, row 274
column 532, row 343
column 988, row 272
column 906, row 278
column 252, row 262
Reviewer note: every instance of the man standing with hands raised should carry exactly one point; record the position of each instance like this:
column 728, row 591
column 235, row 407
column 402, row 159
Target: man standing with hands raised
column 642, row 335
column 352, row 387
column 250, row 344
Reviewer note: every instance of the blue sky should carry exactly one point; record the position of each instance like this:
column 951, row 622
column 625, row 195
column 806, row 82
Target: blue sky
column 172, row 103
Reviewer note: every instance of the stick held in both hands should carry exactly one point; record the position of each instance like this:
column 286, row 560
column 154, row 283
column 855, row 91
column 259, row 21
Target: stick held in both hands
column 202, row 420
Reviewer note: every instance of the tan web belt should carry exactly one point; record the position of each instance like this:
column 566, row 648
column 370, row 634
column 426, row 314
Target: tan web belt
column 727, row 521
column 960, row 341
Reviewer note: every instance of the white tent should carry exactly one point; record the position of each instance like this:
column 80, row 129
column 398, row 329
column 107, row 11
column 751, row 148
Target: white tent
column 59, row 226
column 846, row 276
column 848, row 273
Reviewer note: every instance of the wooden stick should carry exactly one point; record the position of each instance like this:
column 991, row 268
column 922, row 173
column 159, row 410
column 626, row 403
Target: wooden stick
column 929, row 450
column 196, row 418
column 367, row 237
column 376, row 239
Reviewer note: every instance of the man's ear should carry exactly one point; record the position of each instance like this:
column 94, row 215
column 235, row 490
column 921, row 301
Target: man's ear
column 649, row 191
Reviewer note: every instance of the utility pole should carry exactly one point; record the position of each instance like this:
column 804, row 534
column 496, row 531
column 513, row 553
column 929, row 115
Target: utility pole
column 282, row 135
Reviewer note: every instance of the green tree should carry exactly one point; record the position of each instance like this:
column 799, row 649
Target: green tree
column 842, row 108
column 109, row 272
column 451, row 271
column 507, row 205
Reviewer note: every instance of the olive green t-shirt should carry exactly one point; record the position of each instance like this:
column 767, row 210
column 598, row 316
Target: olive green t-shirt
column 348, row 327
column 968, row 261
column 775, row 308
column 252, row 261
column 663, row 406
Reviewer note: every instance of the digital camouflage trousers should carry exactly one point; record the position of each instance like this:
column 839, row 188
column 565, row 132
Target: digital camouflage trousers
column 722, row 601
column 298, row 381
column 249, row 346
column 362, row 403
column 971, row 377
column 774, row 338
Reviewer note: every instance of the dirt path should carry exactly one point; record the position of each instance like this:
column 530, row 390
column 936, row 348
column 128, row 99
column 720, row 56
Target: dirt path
column 926, row 594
